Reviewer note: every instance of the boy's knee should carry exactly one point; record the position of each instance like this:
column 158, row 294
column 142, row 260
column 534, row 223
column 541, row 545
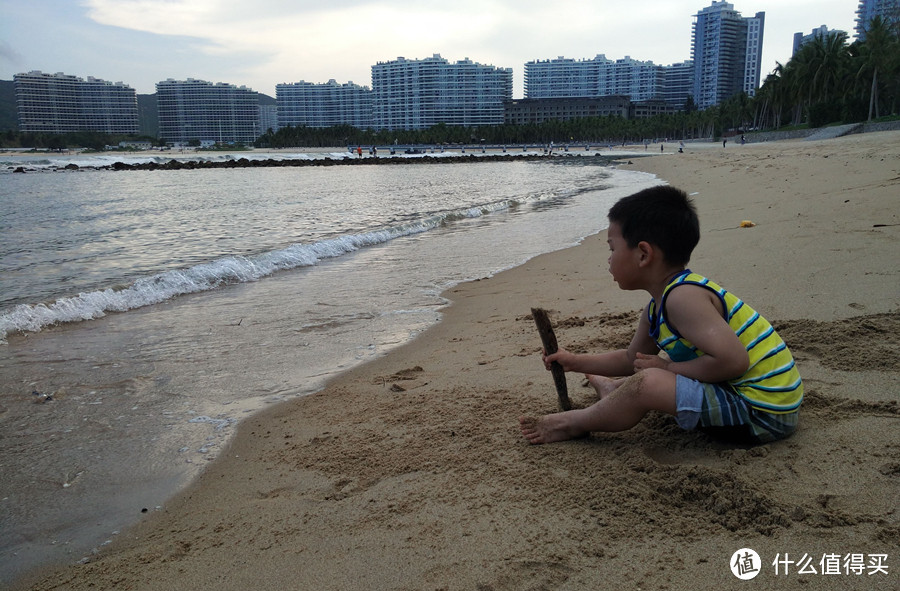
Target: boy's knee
column 657, row 389
column 654, row 380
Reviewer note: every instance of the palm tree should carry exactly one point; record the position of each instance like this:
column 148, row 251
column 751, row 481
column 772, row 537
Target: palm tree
column 877, row 54
column 831, row 64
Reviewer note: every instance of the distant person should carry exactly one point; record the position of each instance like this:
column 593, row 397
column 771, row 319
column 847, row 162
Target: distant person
column 724, row 141
column 743, row 140
column 726, row 370
column 681, row 147
column 359, row 151
column 374, row 151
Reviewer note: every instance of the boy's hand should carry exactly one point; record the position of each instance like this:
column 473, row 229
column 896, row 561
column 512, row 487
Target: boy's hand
column 561, row 356
column 644, row 361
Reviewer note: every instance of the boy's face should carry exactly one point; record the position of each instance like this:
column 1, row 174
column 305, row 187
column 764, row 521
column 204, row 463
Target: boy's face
column 623, row 260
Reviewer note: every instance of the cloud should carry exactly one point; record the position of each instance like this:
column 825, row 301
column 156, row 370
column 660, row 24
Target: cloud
column 10, row 56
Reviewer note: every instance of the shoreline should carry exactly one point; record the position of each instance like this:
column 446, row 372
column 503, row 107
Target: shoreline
column 409, row 472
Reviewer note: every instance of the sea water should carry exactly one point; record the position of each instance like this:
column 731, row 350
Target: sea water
column 143, row 314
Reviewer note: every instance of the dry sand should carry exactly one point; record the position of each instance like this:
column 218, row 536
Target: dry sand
column 410, row 472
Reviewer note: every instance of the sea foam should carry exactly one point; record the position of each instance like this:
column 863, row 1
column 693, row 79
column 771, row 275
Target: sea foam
column 163, row 286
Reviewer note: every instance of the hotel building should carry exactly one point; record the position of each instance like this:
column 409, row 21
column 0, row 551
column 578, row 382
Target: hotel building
column 206, row 112
column 532, row 110
column 869, row 9
column 678, row 84
column 562, row 78
column 60, row 103
column 324, row 105
column 567, row 78
column 639, row 81
column 727, row 52
column 821, row 33
column 418, row 94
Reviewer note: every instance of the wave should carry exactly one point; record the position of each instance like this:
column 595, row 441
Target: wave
column 160, row 287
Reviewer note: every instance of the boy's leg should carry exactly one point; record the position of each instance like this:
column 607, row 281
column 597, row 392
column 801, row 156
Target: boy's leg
column 603, row 385
column 623, row 408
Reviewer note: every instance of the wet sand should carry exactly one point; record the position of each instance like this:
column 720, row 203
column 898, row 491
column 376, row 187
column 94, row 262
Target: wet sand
column 410, row 473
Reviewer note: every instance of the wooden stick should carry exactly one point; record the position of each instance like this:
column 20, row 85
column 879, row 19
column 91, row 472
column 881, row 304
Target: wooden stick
column 548, row 338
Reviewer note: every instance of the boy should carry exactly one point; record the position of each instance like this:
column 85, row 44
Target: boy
column 726, row 369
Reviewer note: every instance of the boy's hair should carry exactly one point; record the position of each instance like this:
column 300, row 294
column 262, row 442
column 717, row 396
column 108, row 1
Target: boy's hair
column 662, row 216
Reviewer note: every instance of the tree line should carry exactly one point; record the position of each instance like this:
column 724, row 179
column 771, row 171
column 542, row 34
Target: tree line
column 827, row 81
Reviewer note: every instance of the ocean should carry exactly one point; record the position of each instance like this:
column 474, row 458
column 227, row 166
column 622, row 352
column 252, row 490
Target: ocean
column 143, row 314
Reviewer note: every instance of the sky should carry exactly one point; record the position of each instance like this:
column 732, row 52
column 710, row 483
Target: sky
column 262, row 43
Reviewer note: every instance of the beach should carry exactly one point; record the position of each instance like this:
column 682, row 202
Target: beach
column 409, row 472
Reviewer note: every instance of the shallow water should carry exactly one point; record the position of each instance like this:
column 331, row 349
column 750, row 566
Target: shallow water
column 209, row 294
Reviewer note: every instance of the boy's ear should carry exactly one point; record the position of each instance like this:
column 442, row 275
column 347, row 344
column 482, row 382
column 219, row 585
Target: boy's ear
column 645, row 252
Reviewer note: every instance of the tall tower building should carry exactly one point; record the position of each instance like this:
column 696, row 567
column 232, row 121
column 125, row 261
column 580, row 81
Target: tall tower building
column 324, row 105
column 726, row 51
column 206, row 112
column 869, row 9
column 418, row 94
column 60, row 103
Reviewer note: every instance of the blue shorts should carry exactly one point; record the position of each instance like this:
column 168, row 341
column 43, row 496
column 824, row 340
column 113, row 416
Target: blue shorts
column 720, row 410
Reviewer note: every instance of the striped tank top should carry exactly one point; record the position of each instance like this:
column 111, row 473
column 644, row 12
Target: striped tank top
column 772, row 383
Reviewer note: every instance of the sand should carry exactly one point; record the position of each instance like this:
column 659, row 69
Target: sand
column 410, row 472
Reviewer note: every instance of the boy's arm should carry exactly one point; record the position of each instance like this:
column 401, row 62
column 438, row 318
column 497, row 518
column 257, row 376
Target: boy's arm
column 613, row 363
column 697, row 314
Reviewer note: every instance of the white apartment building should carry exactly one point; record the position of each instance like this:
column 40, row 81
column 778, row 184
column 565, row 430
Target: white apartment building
column 679, row 84
column 61, row 103
column 727, row 53
column 821, row 32
column 601, row 77
column 197, row 110
column 562, row 78
column 418, row 94
column 869, row 9
column 268, row 119
column 642, row 81
column 304, row 104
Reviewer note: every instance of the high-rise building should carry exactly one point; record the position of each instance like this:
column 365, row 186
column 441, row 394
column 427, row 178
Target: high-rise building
column 418, row 94
column 268, row 119
column 196, row 110
column 568, row 78
column 640, row 81
column 869, row 9
column 678, row 84
column 822, row 32
column 562, row 78
column 727, row 53
column 324, row 105
column 61, row 103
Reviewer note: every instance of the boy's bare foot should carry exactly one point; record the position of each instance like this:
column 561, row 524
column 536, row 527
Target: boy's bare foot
column 603, row 385
column 548, row 429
